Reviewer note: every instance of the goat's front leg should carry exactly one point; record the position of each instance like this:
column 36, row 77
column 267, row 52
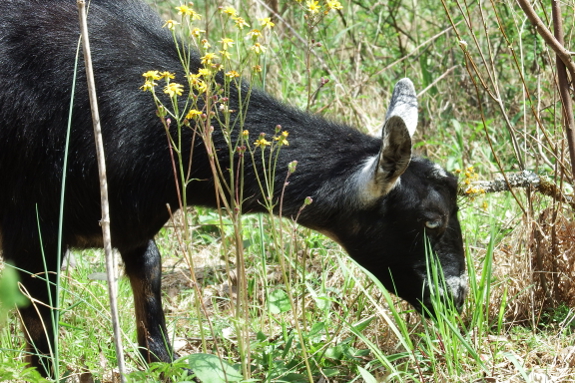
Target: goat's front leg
column 144, row 268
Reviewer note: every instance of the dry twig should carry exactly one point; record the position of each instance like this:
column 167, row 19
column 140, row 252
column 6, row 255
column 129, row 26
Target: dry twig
column 524, row 179
column 105, row 222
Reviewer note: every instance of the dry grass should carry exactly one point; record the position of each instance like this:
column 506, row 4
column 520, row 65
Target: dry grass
column 535, row 265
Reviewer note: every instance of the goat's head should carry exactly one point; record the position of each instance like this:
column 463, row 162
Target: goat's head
column 407, row 214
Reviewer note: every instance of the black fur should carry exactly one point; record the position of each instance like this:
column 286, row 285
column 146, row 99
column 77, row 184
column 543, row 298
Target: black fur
column 37, row 49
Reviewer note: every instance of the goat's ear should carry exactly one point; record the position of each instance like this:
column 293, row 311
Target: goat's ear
column 395, row 153
column 404, row 105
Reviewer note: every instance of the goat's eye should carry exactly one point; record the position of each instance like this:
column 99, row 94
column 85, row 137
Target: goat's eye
column 434, row 224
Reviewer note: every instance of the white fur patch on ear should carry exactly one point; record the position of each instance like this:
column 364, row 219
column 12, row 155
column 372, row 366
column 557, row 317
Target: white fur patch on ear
column 366, row 184
column 380, row 174
column 439, row 172
column 404, row 104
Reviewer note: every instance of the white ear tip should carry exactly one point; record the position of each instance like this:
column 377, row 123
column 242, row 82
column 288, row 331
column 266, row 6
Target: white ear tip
column 405, row 86
column 404, row 104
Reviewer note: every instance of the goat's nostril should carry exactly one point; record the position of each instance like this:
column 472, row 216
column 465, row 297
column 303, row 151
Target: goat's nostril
column 458, row 300
column 460, row 294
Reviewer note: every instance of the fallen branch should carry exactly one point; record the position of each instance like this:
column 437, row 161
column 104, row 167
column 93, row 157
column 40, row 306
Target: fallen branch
column 524, row 179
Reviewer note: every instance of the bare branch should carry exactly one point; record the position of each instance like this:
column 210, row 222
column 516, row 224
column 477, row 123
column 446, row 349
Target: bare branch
column 569, row 121
column 557, row 47
column 524, row 179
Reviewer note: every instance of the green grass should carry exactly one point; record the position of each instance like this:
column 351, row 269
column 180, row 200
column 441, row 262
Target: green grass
column 306, row 311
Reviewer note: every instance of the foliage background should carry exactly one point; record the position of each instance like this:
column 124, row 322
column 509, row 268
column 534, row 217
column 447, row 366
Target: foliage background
column 489, row 106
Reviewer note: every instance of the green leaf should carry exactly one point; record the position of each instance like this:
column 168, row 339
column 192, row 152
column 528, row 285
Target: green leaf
column 292, row 378
column 323, row 303
column 330, row 372
column 316, row 332
column 211, row 369
column 279, row 302
column 287, row 346
column 18, row 371
column 10, row 296
column 361, row 325
column 261, row 336
column 335, row 352
column 366, row 375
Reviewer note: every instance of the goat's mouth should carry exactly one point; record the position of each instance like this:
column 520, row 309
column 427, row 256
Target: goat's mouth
column 450, row 293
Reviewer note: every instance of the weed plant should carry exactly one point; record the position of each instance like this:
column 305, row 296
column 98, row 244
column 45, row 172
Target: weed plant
column 257, row 298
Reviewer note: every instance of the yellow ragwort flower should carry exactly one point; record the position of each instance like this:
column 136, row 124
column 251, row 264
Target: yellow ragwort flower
column 258, row 48
column 262, row 142
column 230, row 11
column 188, row 11
column 254, row 34
column 184, row 10
column 312, row 6
column 197, row 83
column 257, row 68
column 192, row 76
column 173, row 89
column 282, row 138
column 333, row 4
column 170, row 24
column 196, row 32
column 266, row 22
column 200, row 86
column 232, row 74
column 205, row 44
column 152, row 75
column 193, row 113
column 240, row 22
column 195, row 16
column 208, row 58
column 226, row 43
column 204, row 72
column 168, row 75
column 225, row 55
column 148, row 86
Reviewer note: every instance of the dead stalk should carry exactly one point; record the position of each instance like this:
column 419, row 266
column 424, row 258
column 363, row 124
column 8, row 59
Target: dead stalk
column 105, row 222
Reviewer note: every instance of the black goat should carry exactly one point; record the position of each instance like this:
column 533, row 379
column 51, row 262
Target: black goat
column 368, row 194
